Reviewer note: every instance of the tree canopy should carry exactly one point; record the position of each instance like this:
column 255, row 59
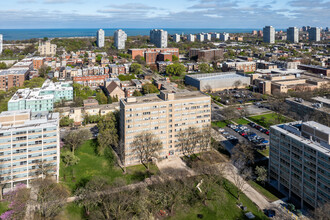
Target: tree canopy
column 176, row 69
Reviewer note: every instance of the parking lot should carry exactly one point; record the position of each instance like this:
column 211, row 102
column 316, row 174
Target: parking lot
column 237, row 96
column 252, row 135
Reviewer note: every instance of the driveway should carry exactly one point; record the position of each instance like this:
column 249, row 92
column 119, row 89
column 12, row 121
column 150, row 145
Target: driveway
column 174, row 166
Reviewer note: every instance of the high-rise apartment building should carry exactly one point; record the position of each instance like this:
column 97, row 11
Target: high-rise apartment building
column 191, row 38
column 269, row 34
column 176, row 38
column 164, row 115
column 1, row 43
column 120, row 38
column 47, row 49
column 27, row 142
column 215, row 36
column 41, row 99
column 207, row 37
column 100, row 38
column 314, row 34
column 200, row 37
column 158, row 37
column 293, row 34
column 224, row 36
column 299, row 161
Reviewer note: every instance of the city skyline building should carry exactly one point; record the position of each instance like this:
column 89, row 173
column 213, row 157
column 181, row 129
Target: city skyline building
column 269, row 34
column 224, row 36
column 100, row 38
column 28, row 141
column 176, row 38
column 293, row 34
column 314, row 34
column 120, row 38
column 299, row 162
column 191, row 38
column 158, row 37
column 200, row 37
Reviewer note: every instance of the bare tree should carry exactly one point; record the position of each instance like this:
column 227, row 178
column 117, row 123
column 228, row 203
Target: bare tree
column 146, row 146
column 44, row 169
column 75, row 138
column 204, row 138
column 239, row 176
column 50, row 197
column 188, row 140
column 229, row 113
column 322, row 212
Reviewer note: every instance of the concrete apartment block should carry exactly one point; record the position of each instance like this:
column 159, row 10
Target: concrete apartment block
column 47, row 49
column 269, row 34
column 159, row 38
column 293, row 34
column 100, row 38
column 314, row 34
column 299, row 162
column 164, row 115
column 120, row 38
column 26, row 140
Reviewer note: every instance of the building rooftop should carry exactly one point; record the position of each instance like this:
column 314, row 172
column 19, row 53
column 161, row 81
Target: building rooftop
column 14, row 71
column 216, row 76
column 36, row 120
column 293, row 130
column 157, row 98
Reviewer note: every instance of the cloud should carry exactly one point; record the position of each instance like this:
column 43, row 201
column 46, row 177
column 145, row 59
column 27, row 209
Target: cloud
column 60, row 1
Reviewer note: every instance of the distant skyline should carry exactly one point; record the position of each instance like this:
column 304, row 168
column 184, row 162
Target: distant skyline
column 35, row 14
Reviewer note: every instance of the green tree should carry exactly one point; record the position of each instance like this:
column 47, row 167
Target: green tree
column 108, row 134
column 176, row 69
column 101, row 98
column 261, row 173
column 175, row 58
column 149, row 88
column 66, row 121
column 137, row 93
column 34, row 83
column 3, row 65
column 69, row 158
column 205, row 68
column 135, row 68
column 109, row 99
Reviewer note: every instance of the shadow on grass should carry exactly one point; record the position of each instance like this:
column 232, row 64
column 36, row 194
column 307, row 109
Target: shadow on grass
column 141, row 175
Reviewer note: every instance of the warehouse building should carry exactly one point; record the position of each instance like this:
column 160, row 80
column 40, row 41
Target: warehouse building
column 218, row 81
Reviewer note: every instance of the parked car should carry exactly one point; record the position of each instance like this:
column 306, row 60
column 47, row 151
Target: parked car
column 221, row 130
column 267, row 132
column 225, row 133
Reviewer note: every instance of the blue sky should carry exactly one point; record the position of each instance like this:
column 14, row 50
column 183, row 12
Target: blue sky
column 163, row 14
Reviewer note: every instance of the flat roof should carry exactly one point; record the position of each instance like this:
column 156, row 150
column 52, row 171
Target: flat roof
column 317, row 146
column 14, row 71
column 156, row 98
column 216, row 76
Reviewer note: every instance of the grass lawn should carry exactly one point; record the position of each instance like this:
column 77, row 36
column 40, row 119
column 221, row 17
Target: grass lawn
column 241, row 121
column 224, row 208
column 267, row 120
column 268, row 191
column 3, row 207
column 219, row 124
column 264, row 152
column 91, row 164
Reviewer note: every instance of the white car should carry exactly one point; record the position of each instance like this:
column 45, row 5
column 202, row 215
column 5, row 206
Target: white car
column 221, row 130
